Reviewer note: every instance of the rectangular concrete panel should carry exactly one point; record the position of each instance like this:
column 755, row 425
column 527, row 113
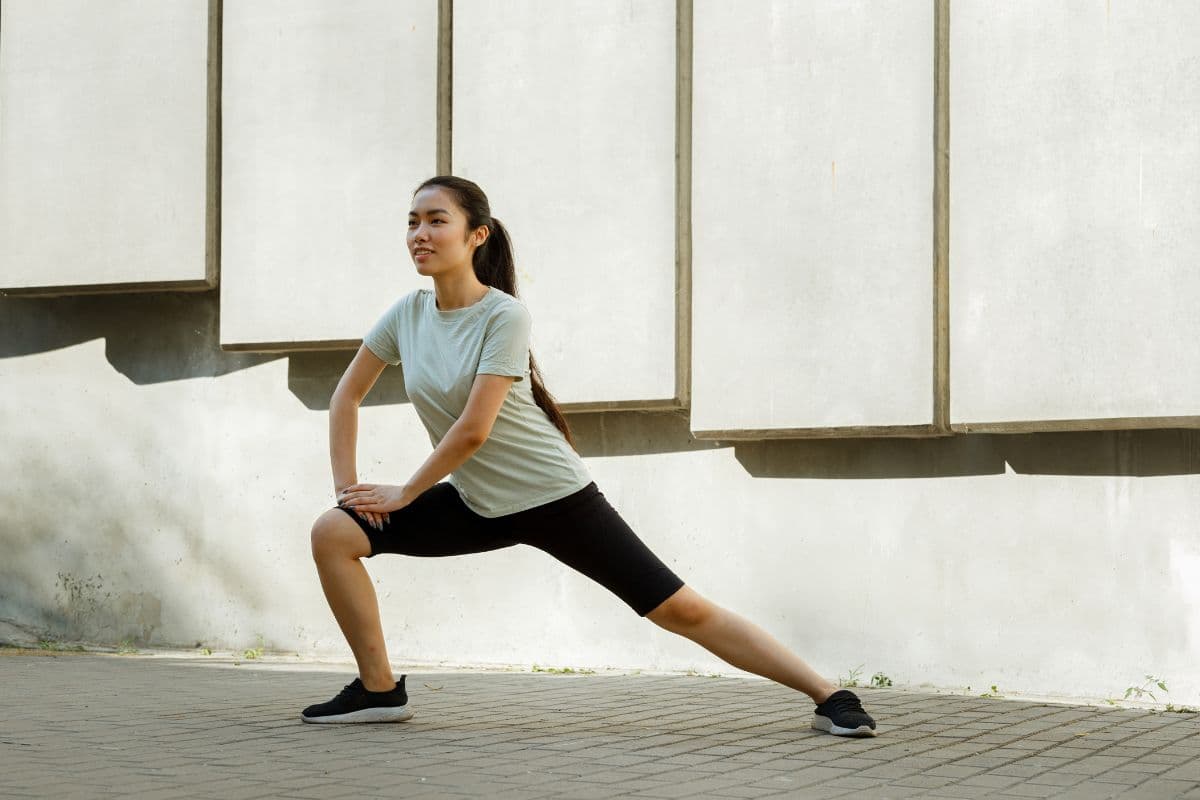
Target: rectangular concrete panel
column 812, row 227
column 103, row 130
column 329, row 124
column 1074, row 244
column 564, row 113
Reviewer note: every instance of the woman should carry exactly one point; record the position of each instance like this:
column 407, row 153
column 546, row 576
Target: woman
column 514, row 474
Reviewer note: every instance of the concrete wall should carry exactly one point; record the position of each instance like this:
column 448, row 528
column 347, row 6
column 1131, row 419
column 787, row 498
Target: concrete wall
column 1073, row 226
column 581, row 94
column 812, row 175
column 159, row 487
column 328, row 123
column 103, row 144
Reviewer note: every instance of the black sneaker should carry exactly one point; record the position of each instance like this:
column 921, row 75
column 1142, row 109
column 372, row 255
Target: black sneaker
column 356, row 704
column 843, row 715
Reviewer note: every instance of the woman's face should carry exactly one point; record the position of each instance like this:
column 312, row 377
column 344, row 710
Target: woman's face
column 437, row 233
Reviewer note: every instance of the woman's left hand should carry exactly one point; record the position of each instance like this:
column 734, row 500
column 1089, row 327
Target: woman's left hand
column 377, row 497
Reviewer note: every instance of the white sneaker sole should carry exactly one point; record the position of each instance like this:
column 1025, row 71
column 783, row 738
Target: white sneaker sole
column 377, row 714
column 826, row 724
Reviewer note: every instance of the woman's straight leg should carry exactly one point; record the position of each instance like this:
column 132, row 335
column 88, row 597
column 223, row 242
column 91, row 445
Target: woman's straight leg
column 587, row 534
column 738, row 641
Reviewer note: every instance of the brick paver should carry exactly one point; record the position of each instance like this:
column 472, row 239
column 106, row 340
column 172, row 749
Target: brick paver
column 160, row 727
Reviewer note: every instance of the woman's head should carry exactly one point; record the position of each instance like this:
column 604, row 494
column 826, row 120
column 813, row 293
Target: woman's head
column 451, row 216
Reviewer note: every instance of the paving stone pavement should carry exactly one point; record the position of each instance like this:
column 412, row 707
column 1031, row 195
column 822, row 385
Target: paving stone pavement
column 96, row 726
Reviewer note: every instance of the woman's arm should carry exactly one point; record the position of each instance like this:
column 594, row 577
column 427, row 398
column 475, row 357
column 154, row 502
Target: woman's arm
column 357, row 380
column 465, row 436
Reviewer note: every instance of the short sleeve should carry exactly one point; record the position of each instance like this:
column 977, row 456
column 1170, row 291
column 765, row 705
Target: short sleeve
column 383, row 338
column 506, row 343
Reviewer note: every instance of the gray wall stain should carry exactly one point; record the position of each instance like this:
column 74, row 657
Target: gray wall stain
column 90, row 610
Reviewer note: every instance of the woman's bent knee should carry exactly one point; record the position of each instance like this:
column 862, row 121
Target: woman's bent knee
column 335, row 535
column 683, row 610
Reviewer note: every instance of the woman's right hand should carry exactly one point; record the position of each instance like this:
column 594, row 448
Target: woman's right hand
column 374, row 518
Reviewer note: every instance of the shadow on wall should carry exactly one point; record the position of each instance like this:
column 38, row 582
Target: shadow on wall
column 163, row 336
column 1134, row 453
column 312, row 377
column 149, row 338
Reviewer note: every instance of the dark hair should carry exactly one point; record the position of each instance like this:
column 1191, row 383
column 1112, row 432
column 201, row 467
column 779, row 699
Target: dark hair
column 494, row 265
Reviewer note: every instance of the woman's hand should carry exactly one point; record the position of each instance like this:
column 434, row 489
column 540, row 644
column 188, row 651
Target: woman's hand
column 376, row 521
column 373, row 500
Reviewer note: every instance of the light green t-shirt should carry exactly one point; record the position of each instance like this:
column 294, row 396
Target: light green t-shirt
column 526, row 461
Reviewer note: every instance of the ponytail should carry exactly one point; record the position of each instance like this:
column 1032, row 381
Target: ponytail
column 495, row 266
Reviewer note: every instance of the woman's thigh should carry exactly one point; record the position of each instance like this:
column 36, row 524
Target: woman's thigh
column 437, row 523
column 587, row 534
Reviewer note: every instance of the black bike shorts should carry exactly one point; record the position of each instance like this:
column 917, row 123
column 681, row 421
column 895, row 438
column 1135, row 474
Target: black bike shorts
column 581, row 530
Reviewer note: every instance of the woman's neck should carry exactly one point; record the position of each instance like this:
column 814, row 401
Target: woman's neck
column 453, row 294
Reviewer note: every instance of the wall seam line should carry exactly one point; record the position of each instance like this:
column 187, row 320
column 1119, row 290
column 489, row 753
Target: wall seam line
column 213, row 143
column 941, row 217
column 683, row 204
column 444, row 110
